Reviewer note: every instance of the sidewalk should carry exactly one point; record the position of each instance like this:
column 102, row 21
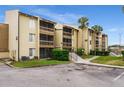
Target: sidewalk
column 90, row 59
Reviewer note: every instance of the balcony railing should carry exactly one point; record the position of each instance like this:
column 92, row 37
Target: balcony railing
column 45, row 42
column 68, row 44
column 47, row 28
column 67, row 33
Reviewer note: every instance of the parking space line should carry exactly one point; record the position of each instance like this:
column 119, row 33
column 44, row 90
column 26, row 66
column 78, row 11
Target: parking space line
column 119, row 76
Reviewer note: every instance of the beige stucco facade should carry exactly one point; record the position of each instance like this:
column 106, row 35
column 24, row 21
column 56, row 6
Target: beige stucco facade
column 62, row 35
column 75, row 42
column 19, row 29
column 26, row 28
column 89, row 39
column 11, row 18
column 29, row 34
column 84, row 39
column 104, row 42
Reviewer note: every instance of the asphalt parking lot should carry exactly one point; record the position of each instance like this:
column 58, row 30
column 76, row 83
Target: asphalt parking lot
column 67, row 75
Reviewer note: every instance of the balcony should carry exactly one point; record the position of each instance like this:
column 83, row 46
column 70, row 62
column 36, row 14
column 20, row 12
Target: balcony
column 46, row 43
column 67, row 45
column 67, row 37
column 46, row 30
column 67, row 33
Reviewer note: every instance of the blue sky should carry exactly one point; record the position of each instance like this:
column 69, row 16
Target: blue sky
column 111, row 18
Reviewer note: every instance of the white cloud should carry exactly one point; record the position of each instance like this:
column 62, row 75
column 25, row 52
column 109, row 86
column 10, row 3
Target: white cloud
column 66, row 18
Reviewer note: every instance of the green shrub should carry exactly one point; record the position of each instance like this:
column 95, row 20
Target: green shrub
column 99, row 53
column 80, row 51
column 106, row 53
column 122, row 54
column 60, row 54
column 92, row 52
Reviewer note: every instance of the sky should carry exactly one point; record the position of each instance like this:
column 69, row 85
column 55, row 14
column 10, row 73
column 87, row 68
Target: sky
column 111, row 17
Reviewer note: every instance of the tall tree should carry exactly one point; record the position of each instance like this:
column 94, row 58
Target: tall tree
column 97, row 28
column 83, row 22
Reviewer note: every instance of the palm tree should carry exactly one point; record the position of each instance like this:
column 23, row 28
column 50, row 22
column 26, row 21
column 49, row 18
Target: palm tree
column 97, row 28
column 83, row 22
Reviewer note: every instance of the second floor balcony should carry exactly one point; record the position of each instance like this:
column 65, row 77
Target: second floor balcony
column 48, row 31
column 46, row 43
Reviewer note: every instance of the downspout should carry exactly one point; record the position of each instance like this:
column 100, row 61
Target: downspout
column 18, row 39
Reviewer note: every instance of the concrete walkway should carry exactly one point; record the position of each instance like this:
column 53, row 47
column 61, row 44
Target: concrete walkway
column 90, row 59
column 77, row 59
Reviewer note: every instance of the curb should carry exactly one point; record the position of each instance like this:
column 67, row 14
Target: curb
column 11, row 65
column 8, row 64
column 101, row 65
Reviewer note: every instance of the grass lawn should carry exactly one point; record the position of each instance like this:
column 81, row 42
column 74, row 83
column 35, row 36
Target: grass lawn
column 87, row 56
column 109, row 60
column 38, row 63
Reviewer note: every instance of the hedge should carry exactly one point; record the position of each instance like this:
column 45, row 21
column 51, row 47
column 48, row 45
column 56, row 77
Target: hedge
column 99, row 53
column 60, row 54
column 80, row 51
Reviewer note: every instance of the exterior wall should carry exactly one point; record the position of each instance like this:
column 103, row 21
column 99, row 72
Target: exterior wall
column 4, row 54
column 86, row 40
column 19, row 34
column 4, row 38
column 93, row 41
column 80, row 39
column 24, row 30
column 106, row 43
column 99, row 39
column 59, row 36
column 75, row 39
column 100, row 42
column 11, row 18
column 89, row 40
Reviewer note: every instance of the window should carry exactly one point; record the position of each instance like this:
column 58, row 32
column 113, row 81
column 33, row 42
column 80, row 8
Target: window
column 32, row 24
column 31, row 37
column 31, row 51
column 97, row 42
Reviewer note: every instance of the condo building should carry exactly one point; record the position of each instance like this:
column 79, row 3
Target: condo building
column 66, row 37
column 24, row 36
column 91, row 40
